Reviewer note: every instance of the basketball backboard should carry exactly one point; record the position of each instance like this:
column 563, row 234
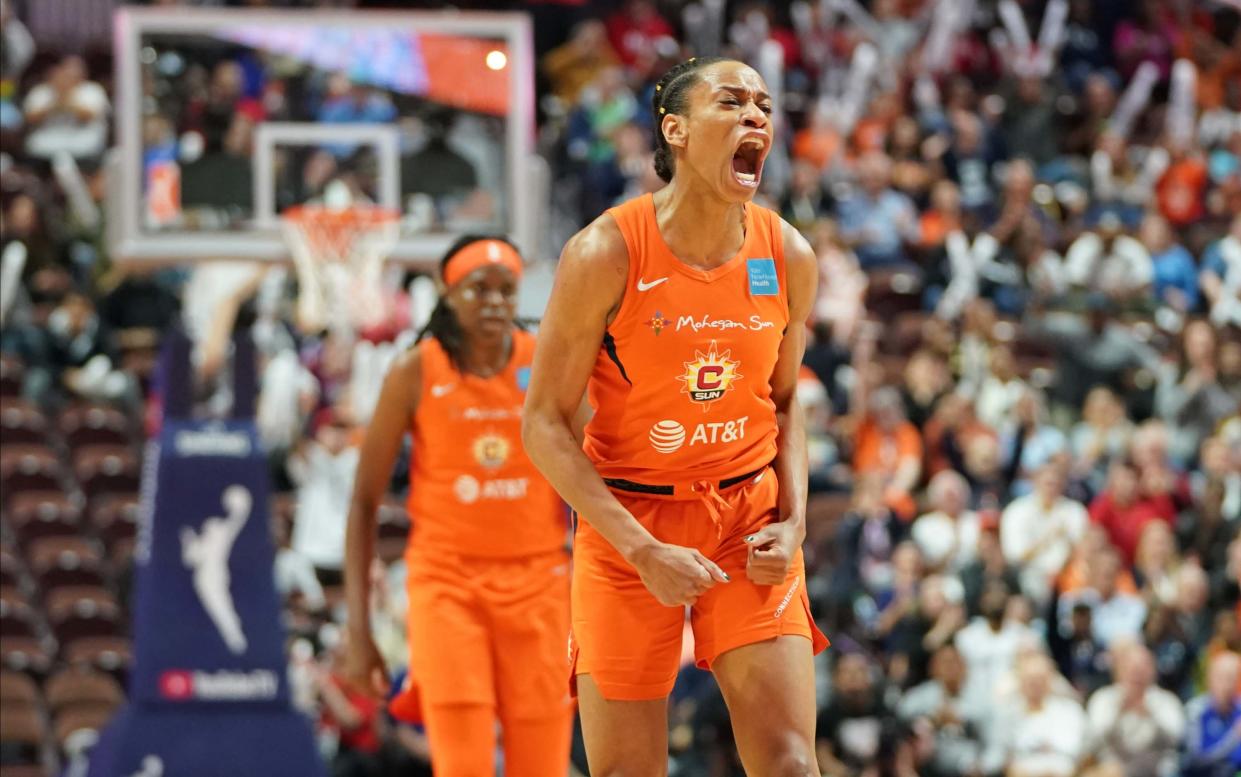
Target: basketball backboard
column 227, row 117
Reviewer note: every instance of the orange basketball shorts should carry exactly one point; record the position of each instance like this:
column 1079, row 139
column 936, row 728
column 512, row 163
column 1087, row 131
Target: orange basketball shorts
column 629, row 643
column 489, row 631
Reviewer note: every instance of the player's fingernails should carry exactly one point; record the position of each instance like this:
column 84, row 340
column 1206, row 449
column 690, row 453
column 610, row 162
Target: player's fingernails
column 750, row 538
column 727, row 579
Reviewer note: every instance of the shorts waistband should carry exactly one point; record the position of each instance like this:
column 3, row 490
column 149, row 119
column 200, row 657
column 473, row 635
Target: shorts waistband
column 632, row 487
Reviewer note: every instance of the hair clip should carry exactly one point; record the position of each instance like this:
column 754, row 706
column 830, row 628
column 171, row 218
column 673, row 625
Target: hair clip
column 691, row 59
column 662, row 111
column 658, row 87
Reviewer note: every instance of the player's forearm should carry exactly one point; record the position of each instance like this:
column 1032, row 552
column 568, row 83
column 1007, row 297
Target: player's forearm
column 359, row 550
column 791, row 464
column 556, row 452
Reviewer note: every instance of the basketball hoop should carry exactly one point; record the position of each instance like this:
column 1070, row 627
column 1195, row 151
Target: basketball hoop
column 338, row 253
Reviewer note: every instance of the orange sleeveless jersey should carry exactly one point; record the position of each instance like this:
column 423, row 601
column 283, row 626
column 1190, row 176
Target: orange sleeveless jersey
column 681, row 387
column 473, row 490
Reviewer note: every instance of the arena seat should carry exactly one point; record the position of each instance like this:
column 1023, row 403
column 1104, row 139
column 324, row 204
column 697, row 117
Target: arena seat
column 17, row 687
column 21, row 422
column 29, row 468
column 22, row 734
column 81, row 685
column 12, row 372
column 84, row 425
column 38, row 514
column 106, row 469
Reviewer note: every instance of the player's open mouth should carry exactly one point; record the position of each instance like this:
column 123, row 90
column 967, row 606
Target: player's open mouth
column 748, row 161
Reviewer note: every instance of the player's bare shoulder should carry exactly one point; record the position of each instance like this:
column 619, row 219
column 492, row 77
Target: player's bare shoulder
column 594, row 266
column 801, row 266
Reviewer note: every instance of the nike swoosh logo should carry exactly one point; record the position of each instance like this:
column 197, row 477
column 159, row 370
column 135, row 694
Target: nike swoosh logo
column 644, row 286
column 442, row 389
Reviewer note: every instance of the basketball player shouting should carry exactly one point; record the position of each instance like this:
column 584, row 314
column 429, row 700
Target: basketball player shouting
column 683, row 313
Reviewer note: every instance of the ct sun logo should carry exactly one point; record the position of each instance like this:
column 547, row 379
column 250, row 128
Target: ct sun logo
column 658, row 323
column 491, row 450
column 709, row 376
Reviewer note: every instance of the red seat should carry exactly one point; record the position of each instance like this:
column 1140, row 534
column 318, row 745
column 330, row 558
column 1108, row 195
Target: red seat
column 83, row 425
column 36, row 514
column 19, row 688
column 28, row 655
column 112, row 655
column 67, row 561
column 81, row 685
column 106, row 469
column 22, row 423
column 17, row 619
column 115, row 516
column 29, row 468
column 22, row 734
column 83, row 617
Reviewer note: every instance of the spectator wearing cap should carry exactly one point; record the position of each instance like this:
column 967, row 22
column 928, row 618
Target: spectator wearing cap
column 1038, row 532
column 1135, row 726
column 1043, row 735
column 877, row 220
column 1213, row 726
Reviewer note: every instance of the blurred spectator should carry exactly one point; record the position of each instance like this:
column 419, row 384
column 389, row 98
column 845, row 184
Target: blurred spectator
column 953, row 728
column 1125, row 506
column 635, row 30
column 323, row 468
column 1157, row 562
column 856, row 730
column 877, row 220
column 991, row 641
column 222, row 178
column 1135, row 726
column 889, row 447
column 1189, row 397
column 1221, row 276
column 969, row 163
column 355, row 716
column 1080, row 656
column 1101, row 437
column 840, row 302
column 574, row 64
column 1213, row 725
column 1114, row 614
column 1044, row 735
column 1110, row 262
column 18, row 51
column 948, row 535
column 1039, row 531
column 67, row 112
column 1175, row 274
column 1031, row 124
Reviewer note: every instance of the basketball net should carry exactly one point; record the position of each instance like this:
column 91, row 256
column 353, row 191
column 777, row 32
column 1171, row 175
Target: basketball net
column 339, row 254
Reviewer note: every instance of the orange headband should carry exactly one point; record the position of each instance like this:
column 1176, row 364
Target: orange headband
column 481, row 253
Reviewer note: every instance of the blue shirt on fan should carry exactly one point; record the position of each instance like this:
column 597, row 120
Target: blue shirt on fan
column 1213, row 739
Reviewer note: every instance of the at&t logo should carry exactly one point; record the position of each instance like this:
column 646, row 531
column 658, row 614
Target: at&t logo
column 668, row 436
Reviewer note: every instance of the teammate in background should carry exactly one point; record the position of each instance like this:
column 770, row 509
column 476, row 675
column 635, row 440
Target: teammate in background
column 684, row 313
column 487, row 566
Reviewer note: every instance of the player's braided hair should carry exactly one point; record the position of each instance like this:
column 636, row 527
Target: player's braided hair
column 443, row 324
column 672, row 96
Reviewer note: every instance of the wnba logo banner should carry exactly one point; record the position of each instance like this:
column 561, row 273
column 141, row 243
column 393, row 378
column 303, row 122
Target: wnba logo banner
column 208, row 687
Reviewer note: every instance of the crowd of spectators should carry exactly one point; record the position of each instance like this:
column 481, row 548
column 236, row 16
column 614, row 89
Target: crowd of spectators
column 1023, row 388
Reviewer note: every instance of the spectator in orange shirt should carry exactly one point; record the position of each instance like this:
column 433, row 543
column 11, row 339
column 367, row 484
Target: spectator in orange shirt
column 943, row 217
column 1181, row 192
column 888, row 445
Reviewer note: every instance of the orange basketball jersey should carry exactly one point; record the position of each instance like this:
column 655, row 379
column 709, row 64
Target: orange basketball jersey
column 473, row 490
column 681, row 387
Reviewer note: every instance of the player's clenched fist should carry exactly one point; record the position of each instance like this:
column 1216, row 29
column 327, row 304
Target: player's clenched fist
column 771, row 553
